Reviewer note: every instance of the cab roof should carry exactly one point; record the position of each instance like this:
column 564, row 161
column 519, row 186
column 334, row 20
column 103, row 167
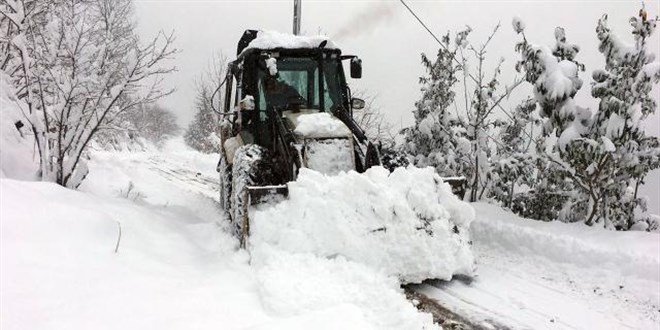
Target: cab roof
column 253, row 40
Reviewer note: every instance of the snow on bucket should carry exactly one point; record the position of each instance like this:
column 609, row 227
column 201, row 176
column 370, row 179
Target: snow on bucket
column 406, row 223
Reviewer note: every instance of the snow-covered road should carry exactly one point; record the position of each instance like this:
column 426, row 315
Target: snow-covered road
column 535, row 275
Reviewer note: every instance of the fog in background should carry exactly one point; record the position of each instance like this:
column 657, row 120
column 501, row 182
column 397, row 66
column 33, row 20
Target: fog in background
column 389, row 40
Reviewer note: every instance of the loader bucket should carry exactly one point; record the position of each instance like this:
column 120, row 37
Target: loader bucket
column 259, row 195
column 264, row 194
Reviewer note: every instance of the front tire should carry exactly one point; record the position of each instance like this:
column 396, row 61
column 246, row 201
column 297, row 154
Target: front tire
column 252, row 167
column 225, row 171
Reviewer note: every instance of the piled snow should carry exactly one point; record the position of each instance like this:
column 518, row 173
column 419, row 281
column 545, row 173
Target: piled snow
column 406, row 224
column 330, row 156
column 18, row 158
column 628, row 253
column 274, row 40
column 173, row 270
column 319, row 125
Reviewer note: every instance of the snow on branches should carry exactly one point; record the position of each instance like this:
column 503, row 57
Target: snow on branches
column 455, row 135
column 604, row 156
column 78, row 65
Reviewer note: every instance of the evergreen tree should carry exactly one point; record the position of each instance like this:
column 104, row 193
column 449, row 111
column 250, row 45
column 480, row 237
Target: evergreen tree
column 432, row 139
column 601, row 160
column 623, row 88
column 201, row 134
column 513, row 163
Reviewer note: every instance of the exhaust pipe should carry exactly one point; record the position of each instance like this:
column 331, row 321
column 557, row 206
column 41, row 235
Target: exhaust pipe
column 296, row 16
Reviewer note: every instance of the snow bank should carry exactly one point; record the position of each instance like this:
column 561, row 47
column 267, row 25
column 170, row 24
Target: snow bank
column 173, row 269
column 18, row 158
column 274, row 39
column 406, row 224
column 627, row 253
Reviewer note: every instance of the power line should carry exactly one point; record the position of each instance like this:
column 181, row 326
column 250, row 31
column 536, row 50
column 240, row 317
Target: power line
column 434, row 37
column 424, row 25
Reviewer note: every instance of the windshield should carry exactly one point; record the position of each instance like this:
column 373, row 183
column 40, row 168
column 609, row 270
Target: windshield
column 296, row 85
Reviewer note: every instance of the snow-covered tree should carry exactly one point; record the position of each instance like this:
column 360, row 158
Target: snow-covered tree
column 603, row 158
column 455, row 136
column 201, row 133
column 153, row 122
column 78, row 64
column 372, row 120
column 432, row 140
column 514, row 163
column 479, row 122
column 624, row 90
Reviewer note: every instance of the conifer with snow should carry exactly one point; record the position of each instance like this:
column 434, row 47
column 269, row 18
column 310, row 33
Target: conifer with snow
column 431, row 140
column 201, row 133
column 602, row 157
column 514, row 163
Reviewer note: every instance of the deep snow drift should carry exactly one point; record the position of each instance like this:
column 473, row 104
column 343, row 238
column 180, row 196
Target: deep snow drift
column 406, row 224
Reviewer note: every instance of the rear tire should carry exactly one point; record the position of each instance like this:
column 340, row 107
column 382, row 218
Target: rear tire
column 252, row 166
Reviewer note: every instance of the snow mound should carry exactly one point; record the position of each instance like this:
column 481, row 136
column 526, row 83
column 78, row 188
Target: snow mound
column 406, row 224
column 320, row 125
column 274, row 40
column 18, row 160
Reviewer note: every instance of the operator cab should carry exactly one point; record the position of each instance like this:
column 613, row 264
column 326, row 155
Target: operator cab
column 289, row 76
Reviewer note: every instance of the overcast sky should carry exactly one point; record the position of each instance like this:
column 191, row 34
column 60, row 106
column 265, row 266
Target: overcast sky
column 387, row 38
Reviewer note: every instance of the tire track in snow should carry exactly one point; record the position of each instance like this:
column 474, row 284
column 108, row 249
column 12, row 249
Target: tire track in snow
column 176, row 173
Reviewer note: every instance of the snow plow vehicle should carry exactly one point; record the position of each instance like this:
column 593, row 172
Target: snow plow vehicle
column 298, row 172
column 287, row 106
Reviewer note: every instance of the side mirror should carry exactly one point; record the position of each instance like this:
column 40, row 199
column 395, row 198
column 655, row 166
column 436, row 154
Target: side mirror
column 357, row 104
column 356, row 68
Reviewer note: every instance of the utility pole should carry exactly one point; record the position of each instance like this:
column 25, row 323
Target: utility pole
column 296, row 16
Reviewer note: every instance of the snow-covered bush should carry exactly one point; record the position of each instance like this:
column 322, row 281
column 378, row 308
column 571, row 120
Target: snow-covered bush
column 391, row 158
column 603, row 158
column 78, row 65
